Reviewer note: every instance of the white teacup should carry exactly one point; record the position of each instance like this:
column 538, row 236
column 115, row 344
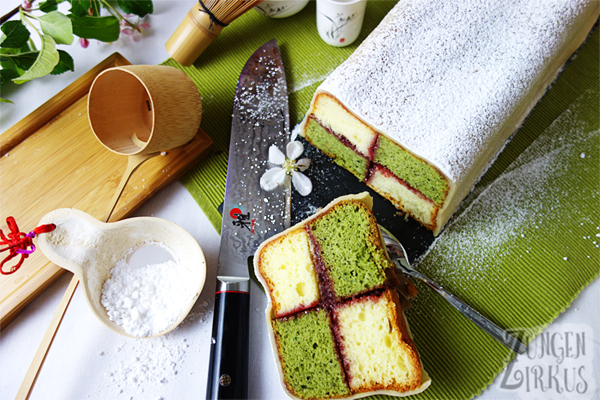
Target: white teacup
column 339, row 21
column 281, row 8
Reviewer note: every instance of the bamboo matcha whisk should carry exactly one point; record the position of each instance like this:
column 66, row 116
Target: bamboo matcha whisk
column 201, row 25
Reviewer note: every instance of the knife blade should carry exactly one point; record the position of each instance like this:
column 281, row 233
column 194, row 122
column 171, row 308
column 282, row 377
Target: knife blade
column 250, row 214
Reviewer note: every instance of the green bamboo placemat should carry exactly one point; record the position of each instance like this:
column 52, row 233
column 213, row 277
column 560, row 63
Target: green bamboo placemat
column 521, row 247
column 307, row 61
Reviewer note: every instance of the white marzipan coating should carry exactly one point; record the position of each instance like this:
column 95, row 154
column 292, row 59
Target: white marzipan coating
column 452, row 80
column 440, row 77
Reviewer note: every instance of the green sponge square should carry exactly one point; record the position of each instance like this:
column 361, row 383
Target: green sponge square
column 309, row 358
column 350, row 249
column 342, row 155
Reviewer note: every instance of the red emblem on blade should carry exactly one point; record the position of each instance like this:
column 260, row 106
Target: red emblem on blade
column 242, row 220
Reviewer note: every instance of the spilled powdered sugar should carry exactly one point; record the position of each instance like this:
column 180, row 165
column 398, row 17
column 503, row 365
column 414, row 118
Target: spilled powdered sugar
column 307, row 81
column 151, row 363
column 534, row 198
column 143, row 368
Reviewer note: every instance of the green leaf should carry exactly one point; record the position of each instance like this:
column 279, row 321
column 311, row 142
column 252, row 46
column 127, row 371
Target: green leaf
column 77, row 9
column 140, row 8
column 24, row 61
column 65, row 63
column 8, row 50
column 8, row 74
column 48, row 6
column 7, row 63
column 5, row 101
column 105, row 29
column 81, row 8
column 58, row 26
column 14, row 35
column 45, row 62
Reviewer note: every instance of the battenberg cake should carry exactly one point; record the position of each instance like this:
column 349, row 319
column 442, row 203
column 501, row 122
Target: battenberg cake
column 430, row 97
column 344, row 334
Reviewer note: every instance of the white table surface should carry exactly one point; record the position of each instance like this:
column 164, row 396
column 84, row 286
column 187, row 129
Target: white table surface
column 88, row 361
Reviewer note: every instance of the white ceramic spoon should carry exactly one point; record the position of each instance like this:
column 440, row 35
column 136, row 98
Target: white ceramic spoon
column 90, row 249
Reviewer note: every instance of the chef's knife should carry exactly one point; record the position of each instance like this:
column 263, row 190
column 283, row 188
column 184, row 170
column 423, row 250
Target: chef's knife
column 250, row 214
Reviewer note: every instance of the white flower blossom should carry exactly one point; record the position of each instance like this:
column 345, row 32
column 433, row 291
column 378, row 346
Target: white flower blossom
column 287, row 169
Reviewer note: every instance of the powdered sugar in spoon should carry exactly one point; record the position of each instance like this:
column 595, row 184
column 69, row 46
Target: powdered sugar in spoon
column 91, row 249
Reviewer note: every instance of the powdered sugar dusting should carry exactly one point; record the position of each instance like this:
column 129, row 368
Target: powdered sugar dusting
column 307, row 81
column 152, row 364
column 442, row 77
column 536, row 197
column 76, row 240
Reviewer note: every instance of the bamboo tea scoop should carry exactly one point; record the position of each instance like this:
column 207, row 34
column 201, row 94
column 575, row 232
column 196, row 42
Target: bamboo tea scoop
column 137, row 111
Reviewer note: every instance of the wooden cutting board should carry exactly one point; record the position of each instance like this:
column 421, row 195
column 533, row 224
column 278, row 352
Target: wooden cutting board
column 51, row 159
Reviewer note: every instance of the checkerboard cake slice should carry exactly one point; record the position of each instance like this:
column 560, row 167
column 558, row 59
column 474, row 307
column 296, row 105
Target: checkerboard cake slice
column 338, row 260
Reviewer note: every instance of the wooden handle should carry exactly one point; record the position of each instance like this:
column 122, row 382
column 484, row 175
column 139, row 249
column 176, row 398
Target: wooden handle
column 34, row 369
column 195, row 33
column 133, row 163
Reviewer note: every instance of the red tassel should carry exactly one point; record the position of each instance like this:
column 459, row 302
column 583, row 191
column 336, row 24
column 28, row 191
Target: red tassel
column 18, row 243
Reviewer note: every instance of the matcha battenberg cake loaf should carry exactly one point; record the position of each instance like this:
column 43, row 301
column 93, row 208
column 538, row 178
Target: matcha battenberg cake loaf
column 337, row 325
column 427, row 101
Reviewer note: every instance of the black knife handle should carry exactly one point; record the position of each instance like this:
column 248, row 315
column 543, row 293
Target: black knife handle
column 228, row 367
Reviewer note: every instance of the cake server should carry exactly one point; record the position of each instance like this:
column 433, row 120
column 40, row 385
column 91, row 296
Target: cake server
column 250, row 214
column 400, row 258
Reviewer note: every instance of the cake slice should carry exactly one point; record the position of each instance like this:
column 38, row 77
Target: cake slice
column 337, row 253
column 376, row 347
column 426, row 102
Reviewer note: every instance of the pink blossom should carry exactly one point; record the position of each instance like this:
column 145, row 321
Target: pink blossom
column 127, row 31
column 83, row 42
column 134, row 30
column 136, row 35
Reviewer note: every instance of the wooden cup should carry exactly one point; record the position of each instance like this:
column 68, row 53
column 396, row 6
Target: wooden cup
column 144, row 109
